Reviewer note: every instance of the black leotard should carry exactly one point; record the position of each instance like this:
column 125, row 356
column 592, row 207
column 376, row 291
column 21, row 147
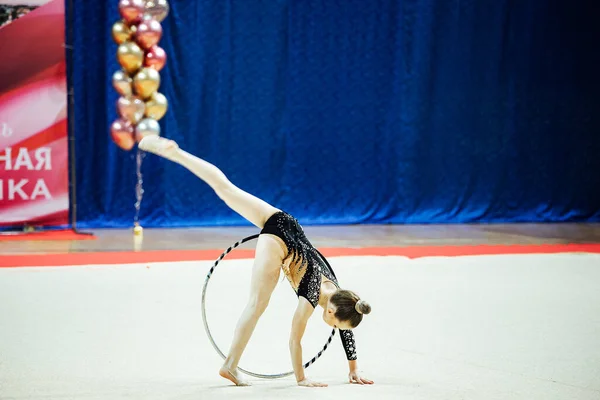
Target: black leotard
column 310, row 263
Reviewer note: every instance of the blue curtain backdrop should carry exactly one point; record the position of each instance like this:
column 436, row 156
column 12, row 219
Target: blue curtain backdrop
column 355, row 111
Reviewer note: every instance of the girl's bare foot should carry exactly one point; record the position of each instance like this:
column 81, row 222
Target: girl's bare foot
column 232, row 376
column 159, row 146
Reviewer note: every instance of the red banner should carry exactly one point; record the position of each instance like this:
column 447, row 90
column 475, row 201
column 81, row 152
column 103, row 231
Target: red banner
column 34, row 179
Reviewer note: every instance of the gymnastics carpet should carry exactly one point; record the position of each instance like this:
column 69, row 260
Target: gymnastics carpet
column 482, row 324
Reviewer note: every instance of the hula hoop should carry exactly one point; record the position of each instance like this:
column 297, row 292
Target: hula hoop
column 212, row 341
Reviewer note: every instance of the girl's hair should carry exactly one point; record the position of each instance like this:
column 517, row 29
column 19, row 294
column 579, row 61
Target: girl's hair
column 349, row 307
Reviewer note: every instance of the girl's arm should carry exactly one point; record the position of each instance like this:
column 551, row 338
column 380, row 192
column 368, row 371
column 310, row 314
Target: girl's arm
column 349, row 344
column 303, row 312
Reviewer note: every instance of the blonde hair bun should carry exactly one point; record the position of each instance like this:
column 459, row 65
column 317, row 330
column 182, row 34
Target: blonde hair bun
column 362, row 307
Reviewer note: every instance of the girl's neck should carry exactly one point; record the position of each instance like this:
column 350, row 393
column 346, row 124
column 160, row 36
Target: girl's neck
column 327, row 290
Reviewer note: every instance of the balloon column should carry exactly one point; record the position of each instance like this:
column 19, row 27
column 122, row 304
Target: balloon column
column 140, row 105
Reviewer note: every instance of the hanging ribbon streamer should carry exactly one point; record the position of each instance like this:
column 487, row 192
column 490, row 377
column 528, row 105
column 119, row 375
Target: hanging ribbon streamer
column 140, row 105
column 139, row 190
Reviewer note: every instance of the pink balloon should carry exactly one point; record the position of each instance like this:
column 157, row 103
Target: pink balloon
column 156, row 58
column 149, row 33
column 132, row 11
column 122, row 133
column 131, row 109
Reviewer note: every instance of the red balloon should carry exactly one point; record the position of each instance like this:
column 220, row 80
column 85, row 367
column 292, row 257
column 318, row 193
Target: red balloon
column 132, row 11
column 156, row 58
column 148, row 33
column 122, row 133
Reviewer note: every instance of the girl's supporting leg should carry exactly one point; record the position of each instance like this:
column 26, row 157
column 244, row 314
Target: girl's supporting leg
column 265, row 275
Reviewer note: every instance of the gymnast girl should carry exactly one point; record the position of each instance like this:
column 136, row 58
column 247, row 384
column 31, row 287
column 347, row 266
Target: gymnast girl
column 282, row 245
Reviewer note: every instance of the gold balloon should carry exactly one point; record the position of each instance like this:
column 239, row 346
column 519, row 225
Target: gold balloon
column 121, row 32
column 122, row 83
column 130, row 56
column 146, row 82
column 157, row 106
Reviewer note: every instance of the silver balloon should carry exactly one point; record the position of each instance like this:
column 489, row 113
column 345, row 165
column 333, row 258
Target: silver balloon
column 157, row 9
column 122, row 83
column 146, row 127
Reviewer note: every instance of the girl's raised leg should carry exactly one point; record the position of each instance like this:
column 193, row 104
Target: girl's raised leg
column 253, row 209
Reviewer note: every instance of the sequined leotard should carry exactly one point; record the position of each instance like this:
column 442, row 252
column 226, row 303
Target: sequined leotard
column 304, row 266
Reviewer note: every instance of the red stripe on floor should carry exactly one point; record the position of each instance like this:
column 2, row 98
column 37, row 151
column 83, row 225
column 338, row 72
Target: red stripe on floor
column 51, row 235
column 73, row 259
